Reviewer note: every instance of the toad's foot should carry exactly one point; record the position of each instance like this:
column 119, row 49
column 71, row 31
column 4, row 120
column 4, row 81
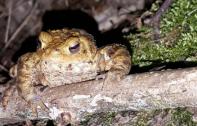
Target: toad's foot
column 112, row 77
column 35, row 103
column 7, row 94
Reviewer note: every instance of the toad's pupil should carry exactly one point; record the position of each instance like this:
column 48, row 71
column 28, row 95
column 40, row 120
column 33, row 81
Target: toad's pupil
column 75, row 48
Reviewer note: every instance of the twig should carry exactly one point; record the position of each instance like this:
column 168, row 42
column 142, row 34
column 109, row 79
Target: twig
column 3, row 68
column 66, row 3
column 3, row 14
column 19, row 28
column 156, row 19
column 8, row 22
column 20, row 3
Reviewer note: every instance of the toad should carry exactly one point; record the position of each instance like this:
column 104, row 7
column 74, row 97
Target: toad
column 68, row 56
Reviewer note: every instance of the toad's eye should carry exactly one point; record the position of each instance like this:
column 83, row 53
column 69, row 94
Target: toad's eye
column 74, row 48
column 39, row 44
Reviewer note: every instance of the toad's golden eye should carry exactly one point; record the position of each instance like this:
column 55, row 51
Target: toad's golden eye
column 74, row 47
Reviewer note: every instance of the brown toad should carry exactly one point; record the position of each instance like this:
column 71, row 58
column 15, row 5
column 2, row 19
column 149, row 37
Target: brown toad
column 68, row 56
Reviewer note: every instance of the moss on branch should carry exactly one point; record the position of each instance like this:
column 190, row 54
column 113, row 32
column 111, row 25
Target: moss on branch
column 178, row 37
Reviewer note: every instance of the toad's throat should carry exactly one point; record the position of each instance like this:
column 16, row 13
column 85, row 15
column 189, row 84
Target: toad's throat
column 56, row 74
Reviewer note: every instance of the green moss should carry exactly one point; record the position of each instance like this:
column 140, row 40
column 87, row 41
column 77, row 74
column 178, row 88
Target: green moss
column 166, row 117
column 108, row 118
column 178, row 37
column 183, row 13
column 142, row 119
column 181, row 117
column 104, row 118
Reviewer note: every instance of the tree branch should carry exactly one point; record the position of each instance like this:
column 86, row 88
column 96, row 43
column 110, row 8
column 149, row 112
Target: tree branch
column 154, row 90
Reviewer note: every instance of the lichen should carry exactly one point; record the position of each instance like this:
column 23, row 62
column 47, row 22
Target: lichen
column 178, row 40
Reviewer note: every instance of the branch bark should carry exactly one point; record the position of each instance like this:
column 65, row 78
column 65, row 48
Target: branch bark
column 154, row 90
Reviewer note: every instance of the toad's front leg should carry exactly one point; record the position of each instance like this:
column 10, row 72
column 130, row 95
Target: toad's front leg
column 116, row 60
column 26, row 80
